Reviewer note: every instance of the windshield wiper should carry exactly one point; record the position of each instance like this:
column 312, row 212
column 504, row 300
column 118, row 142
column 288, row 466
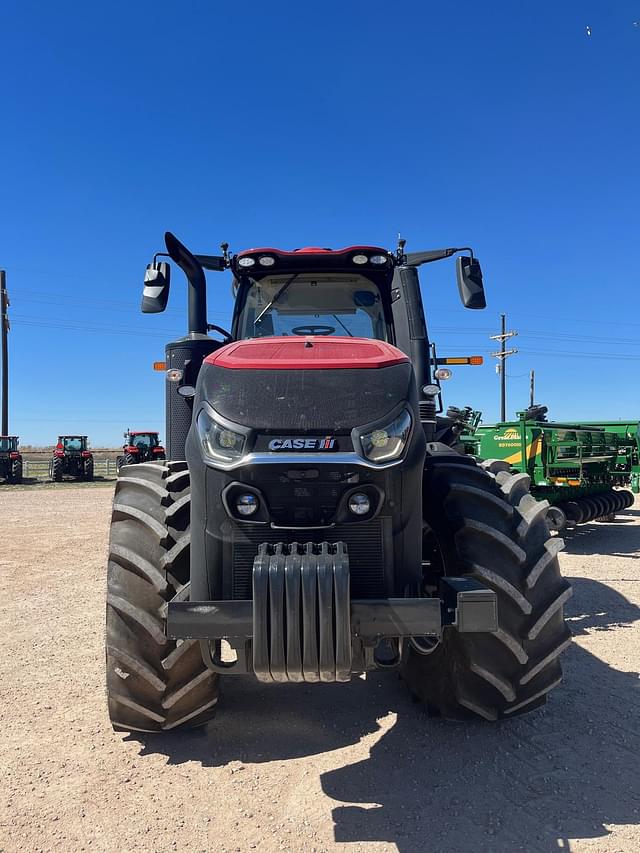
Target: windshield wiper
column 275, row 298
column 335, row 317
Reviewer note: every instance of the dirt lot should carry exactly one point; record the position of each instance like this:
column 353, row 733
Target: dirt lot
column 353, row 767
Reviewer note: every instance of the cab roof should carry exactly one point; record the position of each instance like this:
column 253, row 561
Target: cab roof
column 271, row 261
column 316, row 250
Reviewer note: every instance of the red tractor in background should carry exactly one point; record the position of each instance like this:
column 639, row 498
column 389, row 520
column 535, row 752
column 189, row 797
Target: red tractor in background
column 71, row 457
column 10, row 459
column 140, row 447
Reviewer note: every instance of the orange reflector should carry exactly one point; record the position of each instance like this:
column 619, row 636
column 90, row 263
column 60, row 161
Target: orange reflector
column 159, row 365
column 472, row 359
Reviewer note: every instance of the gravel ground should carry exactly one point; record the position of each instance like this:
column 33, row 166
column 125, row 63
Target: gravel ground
column 354, row 767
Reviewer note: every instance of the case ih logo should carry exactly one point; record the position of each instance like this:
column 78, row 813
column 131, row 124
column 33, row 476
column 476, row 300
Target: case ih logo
column 326, row 443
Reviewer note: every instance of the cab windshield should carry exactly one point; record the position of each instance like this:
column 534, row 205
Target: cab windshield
column 144, row 440
column 6, row 444
column 72, row 442
column 340, row 305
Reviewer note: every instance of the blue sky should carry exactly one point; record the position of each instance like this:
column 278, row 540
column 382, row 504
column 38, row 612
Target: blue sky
column 501, row 125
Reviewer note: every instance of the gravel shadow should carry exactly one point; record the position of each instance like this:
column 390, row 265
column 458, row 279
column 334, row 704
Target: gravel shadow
column 528, row 784
column 619, row 538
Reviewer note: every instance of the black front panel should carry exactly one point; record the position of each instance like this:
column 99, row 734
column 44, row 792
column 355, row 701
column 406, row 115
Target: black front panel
column 305, row 487
column 302, row 400
column 306, row 494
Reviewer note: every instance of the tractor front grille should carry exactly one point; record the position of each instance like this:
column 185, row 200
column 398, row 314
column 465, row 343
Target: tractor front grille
column 369, row 559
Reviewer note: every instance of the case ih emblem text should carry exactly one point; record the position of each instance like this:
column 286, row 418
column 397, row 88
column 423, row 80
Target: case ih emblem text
column 326, row 443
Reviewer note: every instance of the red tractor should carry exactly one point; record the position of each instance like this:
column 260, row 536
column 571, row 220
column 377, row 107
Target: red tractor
column 140, row 447
column 10, row 459
column 72, row 458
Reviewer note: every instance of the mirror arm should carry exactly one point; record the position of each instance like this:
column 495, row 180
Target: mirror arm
column 216, row 263
column 416, row 259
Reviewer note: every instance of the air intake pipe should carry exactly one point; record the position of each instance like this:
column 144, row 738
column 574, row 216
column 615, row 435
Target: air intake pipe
column 184, row 357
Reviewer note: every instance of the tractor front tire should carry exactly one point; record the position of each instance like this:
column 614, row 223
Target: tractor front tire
column 16, row 472
column 153, row 683
column 481, row 521
column 88, row 470
column 56, row 469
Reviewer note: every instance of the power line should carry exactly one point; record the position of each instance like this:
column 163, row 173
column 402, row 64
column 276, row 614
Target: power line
column 81, row 327
column 49, row 297
column 580, row 355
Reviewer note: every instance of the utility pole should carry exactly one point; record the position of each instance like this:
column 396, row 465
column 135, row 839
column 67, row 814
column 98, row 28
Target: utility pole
column 532, row 387
column 501, row 367
column 4, row 331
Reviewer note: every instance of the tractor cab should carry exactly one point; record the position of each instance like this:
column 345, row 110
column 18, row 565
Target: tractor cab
column 8, row 444
column 346, row 293
column 72, row 443
column 140, row 446
column 10, row 459
column 142, row 440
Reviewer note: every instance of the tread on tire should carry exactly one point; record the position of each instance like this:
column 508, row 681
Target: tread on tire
column 487, row 526
column 153, row 683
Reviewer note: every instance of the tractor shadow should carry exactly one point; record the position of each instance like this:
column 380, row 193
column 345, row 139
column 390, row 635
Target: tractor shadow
column 619, row 538
column 532, row 783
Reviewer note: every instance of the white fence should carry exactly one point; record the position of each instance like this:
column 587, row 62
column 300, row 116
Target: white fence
column 38, row 469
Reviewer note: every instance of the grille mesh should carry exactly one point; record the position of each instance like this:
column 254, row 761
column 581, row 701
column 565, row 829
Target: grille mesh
column 365, row 546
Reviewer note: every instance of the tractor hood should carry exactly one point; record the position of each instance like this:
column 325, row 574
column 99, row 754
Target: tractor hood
column 306, row 383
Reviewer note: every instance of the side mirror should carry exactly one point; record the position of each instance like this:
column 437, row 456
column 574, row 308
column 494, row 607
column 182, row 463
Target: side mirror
column 470, row 285
column 156, row 287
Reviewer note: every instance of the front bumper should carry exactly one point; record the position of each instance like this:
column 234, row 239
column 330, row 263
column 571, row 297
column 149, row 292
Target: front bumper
column 302, row 624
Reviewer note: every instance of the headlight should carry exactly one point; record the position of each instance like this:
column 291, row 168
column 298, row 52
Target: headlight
column 218, row 441
column 386, row 443
column 247, row 504
column 359, row 504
